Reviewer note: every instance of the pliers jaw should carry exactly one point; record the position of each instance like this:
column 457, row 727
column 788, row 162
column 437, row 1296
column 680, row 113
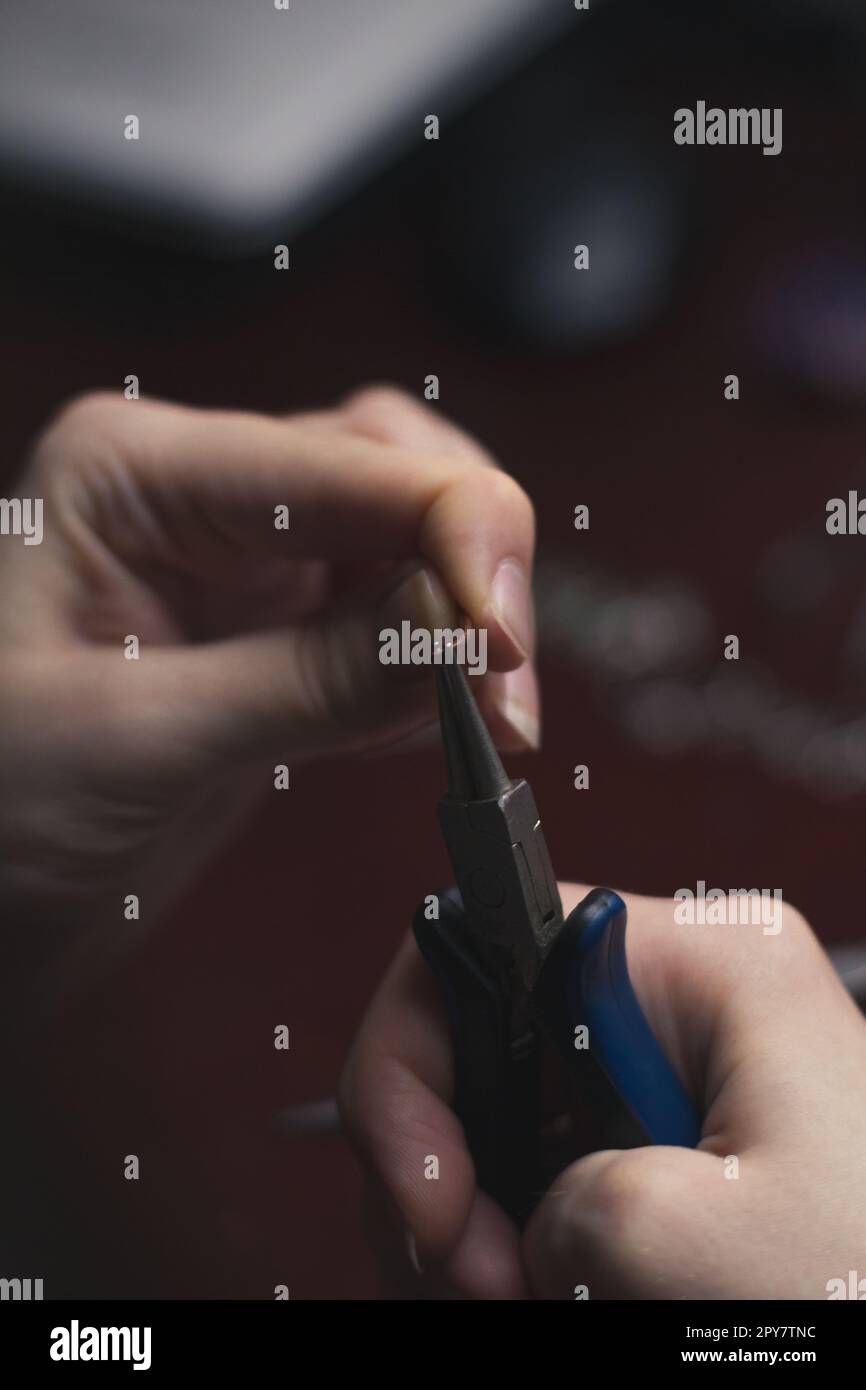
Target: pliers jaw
column 500, row 861
column 512, row 974
column 496, row 846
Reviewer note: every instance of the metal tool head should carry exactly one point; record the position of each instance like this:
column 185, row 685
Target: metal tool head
column 494, row 838
column 475, row 772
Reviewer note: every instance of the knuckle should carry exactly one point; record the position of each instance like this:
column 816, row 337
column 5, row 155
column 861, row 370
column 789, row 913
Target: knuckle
column 80, row 428
column 616, row 1191
column 378, row 401
column 88, row 410
column 633, row 1187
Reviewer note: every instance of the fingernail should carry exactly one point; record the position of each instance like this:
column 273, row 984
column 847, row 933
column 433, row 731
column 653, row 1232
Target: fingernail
column 524, row 723
column 412, row 1249
column 511, row 602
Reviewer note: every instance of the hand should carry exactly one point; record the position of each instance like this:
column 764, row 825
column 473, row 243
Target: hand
column 258, row 646
column 765, row 1038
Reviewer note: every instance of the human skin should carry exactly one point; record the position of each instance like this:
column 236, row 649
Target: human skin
column 258, row 646
column 765, row 1038
column 119, row 777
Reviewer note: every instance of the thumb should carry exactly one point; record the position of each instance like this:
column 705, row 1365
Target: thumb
column 730, row 1007
column 630, row 1223
column 320, row 686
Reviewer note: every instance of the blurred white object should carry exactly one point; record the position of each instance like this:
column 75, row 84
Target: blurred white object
column 252, row 119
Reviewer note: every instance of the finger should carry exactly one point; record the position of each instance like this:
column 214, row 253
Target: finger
column 394, row 1097
column 728, row 1006
column 509, row 701
column 394, row 1100
column 164, row 484
column 622, row 1223
column 298, row 691
column 708, row 990
column 394, row 417
column 510, row 704
column 728, row 1003
column 487, row 1261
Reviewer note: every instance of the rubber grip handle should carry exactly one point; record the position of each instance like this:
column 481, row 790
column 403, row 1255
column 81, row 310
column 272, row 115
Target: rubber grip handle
column 636, row 1096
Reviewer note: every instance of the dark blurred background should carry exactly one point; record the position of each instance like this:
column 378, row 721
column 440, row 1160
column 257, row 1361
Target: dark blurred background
column 605, row 388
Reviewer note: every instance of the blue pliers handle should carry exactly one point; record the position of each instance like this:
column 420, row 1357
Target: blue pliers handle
column 585, row 985
column 512, row 971
column 586, row 1005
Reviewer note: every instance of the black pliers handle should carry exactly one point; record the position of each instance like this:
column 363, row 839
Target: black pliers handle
column 512, row 972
